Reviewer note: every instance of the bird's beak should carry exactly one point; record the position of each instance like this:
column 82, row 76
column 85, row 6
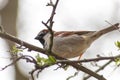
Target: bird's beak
column 37, row 37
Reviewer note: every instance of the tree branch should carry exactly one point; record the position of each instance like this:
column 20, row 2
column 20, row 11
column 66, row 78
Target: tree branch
column 49, row 23
column 34, row 48
column 90, row 60
column 30, row 47
column 101, row 68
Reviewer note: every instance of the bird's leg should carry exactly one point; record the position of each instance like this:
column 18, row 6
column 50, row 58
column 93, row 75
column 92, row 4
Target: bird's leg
column 80, row 56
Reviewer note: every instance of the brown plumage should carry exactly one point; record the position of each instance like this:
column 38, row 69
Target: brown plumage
column 70, row 44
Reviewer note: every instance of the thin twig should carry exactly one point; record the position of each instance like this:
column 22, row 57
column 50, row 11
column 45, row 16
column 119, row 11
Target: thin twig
column 49, row 24
column 101, row 68
column 89, row 60
column 25, row 57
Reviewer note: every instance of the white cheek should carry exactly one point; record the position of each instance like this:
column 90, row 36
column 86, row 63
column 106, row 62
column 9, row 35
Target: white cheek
column 47, row 41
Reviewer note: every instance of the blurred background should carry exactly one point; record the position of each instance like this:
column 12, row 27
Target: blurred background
column 22, row 18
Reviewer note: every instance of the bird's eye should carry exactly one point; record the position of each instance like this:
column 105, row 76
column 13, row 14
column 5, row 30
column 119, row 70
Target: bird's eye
column 42, row 32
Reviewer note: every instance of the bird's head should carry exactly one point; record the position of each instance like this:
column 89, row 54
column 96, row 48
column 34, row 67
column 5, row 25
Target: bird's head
column 41, row 36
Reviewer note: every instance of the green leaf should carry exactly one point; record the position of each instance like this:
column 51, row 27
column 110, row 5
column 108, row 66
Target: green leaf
column 117, row 61
column 38, row 58
column 15, row 50
column 52, row 59
column 117, row 43
column 45, row 61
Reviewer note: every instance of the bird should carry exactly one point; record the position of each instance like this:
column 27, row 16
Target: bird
column 71, row 44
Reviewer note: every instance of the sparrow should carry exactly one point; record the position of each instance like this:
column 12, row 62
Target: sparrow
column 70, row 44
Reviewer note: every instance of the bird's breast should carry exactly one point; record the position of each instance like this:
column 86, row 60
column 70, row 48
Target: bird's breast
column 68, row 47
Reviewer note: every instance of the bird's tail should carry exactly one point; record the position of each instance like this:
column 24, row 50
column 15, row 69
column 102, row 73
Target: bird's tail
column 97, row 34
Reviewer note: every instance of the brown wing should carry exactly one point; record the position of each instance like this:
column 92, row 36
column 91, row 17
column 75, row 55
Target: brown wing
column 83, row 32
column 67, row 33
